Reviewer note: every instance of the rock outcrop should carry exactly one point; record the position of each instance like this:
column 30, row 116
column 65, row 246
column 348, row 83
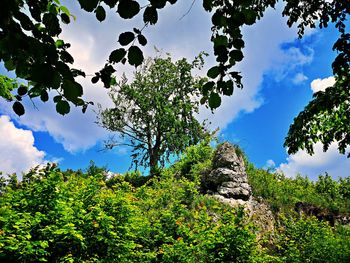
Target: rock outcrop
column 228, row 182
column 228, row 177
column 322, row 214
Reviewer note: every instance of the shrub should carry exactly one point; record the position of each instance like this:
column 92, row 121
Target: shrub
column 309, row 240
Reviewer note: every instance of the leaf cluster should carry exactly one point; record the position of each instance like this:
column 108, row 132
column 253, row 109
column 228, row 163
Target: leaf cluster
column 30, row 46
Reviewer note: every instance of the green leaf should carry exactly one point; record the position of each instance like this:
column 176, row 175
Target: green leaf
column 220, row 41
column 100, row 13
column 228, row 88
column 72, row 90
column 128, row 8
column 42, row 74
column 213, row 72
column 59, row 43
column 135, row 56
column 65, row 10
column 44, row 96
column 65, row 18
column 142, row 40
column 66, row 57
column 117, row 55
column 150, row 15
column 52, row 24
column 126, row 38
column 136, row 30
column 158, row 3
column 35, row 91
column 25, row 21
column 7, row 85
column 207, row 87
column 22, row 70
column 236, row 55
column 88, row 5
column 221, row 85
column 62, row 107
column 214, row 100
column 238, row 43
column 18, row 108
column 56, row 80
column 218, row 19
column 111, row 3
column 57, row 98
column 22, row 90
column 53, row 9
column 222, row 55
column 95, row 79
column 208, row 5
column 9, row 65
column 172, row 1
column 249, row 16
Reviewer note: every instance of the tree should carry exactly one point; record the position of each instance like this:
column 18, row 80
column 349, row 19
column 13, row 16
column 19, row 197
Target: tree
column 29, row 44
column 155, row 113
column 325, row 119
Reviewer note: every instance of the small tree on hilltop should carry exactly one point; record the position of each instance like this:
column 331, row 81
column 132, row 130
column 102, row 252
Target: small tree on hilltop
column 155, row 113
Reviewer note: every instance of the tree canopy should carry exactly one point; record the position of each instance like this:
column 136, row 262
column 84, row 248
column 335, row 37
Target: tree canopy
column 154, row 114
column 30, row 45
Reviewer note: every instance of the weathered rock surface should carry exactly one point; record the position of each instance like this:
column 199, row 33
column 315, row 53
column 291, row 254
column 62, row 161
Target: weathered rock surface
column 322, row 214
column 228, row 182
column 226, row 155
column 228, row 177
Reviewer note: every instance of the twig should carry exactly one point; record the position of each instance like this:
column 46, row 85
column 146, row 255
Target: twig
column 189, row 10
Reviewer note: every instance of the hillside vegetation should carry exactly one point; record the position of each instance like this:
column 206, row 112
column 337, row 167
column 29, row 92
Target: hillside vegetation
column 75, row 216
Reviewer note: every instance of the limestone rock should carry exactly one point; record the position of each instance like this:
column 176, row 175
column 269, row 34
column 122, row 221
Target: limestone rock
column 228, row 177
column 228, row 183
column 226, row 156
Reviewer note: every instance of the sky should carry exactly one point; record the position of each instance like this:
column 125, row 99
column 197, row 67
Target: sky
column 280, row 74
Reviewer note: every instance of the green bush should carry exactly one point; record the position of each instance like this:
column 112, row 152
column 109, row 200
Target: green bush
column 309, row 240
column 55, row 216
column 71, row 216
column 282, row 193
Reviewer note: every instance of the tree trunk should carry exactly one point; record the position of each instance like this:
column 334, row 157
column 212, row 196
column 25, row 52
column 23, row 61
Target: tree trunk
column 153, row 163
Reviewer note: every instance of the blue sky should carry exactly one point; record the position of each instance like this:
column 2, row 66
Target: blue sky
column 280, row 74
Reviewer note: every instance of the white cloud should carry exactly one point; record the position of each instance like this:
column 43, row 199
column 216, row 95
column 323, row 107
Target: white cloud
column 299, row 78
column 270, row 164
column 332, row 162
column 289, row 61
column 322, row 84
column 18, row 152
